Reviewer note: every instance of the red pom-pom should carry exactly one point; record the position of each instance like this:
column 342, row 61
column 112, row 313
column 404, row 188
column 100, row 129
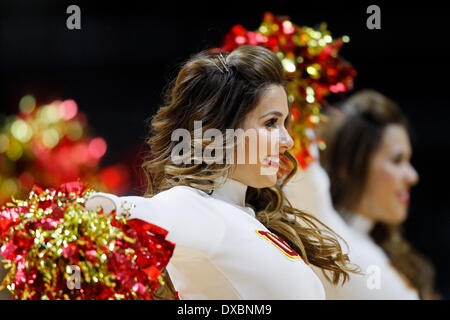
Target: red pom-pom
column 57, row 249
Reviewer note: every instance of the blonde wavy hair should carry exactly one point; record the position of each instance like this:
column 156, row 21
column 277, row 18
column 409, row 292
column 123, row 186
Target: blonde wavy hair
column 220, row 97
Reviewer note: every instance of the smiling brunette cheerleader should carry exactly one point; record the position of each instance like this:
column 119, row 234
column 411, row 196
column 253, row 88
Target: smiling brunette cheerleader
column 236, row 237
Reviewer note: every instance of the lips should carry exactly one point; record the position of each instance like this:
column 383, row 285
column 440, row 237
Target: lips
column 273, row 161
column 403, row 197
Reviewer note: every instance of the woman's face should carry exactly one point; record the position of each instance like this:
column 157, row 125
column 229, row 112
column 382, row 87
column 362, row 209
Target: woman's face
column 267, row 121
column 391, row 175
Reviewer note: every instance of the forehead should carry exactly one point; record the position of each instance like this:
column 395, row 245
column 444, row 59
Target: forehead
column 273, row 99
column 395, row 138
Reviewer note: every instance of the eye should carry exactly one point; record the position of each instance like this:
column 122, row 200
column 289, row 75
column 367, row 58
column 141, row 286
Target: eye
column 397, row 159
column 271, row 123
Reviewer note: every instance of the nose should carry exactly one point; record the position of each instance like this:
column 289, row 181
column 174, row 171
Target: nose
column 412, row 175
column 286, row 141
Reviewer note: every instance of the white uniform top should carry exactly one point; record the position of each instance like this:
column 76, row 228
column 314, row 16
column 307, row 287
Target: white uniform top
column 222, row 251
column 309, row 191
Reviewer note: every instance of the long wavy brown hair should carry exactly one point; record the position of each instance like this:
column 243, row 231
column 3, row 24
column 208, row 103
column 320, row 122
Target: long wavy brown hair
column 221, row 95
column 352, row 138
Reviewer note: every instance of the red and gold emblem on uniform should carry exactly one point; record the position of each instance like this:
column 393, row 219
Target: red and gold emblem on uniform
column 280, row 243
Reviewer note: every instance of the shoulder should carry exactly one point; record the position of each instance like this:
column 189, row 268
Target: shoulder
column 178, row 201
column 180, row 193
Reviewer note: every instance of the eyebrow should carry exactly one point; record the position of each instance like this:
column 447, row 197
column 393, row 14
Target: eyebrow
column 277, row 113
column 402, row 153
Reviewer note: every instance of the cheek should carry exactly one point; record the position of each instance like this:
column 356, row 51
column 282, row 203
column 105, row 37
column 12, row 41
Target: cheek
column 256, row 174
column 267, row 143
column 381, row 184
column 385, row 175
column 382, row 173
column 384, row 187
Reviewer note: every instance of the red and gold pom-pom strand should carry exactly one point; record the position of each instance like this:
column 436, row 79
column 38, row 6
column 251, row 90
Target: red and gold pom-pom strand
column 51, row 240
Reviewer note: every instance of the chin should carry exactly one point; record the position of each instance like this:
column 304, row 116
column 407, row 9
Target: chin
column 398, row 217
column 268, row 181
column 263, row 181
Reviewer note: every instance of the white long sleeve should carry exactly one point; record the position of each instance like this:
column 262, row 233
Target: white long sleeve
column 222, row 251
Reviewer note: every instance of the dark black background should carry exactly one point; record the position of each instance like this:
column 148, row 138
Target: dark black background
column 117, row 65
